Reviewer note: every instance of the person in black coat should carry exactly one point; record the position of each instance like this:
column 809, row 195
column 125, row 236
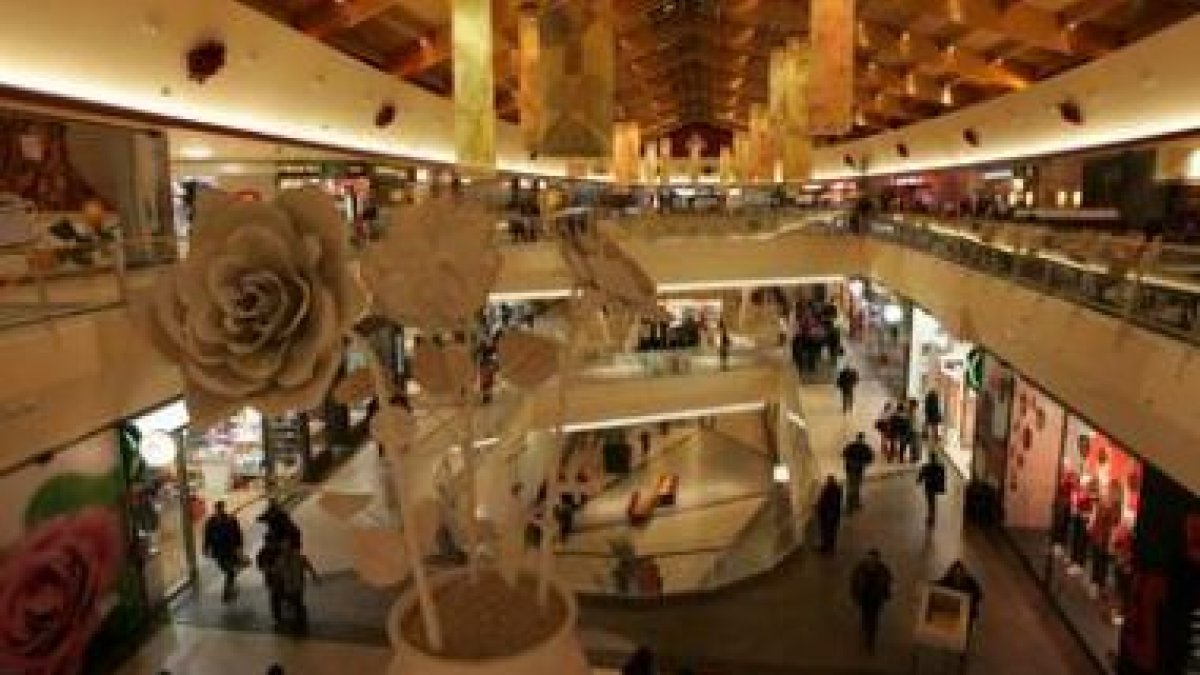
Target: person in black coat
column 829, row 513
column 957, row 578
column 932, row 477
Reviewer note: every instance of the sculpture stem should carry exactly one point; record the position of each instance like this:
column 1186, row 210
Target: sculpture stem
column 554, row 458
column 412, row 546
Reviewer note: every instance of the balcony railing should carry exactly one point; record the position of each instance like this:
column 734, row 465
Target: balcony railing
column 1152, row 284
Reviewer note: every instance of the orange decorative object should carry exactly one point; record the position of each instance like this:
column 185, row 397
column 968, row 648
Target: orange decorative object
column 93, row 215
column 831, row 81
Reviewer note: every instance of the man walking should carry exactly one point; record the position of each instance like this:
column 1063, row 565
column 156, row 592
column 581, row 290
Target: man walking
column 829, row 513
column 291, row 568
column 223, row 543
column 856, row 456
column 932, row 477
column 871, row 588
column 847, row 380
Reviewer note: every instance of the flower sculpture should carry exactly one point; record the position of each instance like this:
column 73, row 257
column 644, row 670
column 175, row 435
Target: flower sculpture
column 257, row 312
column 53, row 589
column 434, row 266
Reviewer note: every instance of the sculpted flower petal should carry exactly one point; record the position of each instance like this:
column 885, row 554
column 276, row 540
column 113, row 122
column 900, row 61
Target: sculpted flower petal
column 255, row 314
column 450, row 264
column 308, row 395
column 319, row 336
column 220, row 380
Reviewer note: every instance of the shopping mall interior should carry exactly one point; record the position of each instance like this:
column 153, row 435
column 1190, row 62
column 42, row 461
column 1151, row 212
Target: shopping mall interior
column 504, row 337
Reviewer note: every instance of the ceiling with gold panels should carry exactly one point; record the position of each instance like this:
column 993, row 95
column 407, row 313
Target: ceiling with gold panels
column 702, row 63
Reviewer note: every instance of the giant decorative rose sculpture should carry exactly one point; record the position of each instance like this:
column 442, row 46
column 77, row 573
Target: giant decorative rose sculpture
column 53, row 589
column 435, row 264
column 257, row 313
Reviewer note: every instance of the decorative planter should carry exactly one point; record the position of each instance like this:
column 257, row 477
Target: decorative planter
column 559, row 654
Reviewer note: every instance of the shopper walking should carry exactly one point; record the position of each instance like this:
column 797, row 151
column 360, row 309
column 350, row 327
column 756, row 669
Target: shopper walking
column 899, row 430
column 871, row 588
column 279, row 522
column 912, row 440
column 725, row 345
column 265, row 561
column 292, row 569
column 829, row 513
column 847, row 380
column 933, row 417
column 932, row 477
column 884, row 426
column 223, row 543
column 856, row 456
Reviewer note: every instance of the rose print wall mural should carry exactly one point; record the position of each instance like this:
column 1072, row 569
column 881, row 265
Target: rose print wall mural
column 64, row 583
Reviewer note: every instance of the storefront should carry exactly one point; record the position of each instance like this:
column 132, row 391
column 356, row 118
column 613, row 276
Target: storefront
column 949, row 369
column 348, row 183
column 176, row 476
column 1072, row 504
column 992, row 414
column 882, row 323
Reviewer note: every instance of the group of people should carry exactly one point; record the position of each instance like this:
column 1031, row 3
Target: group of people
column 815, row 329
column 281, row 561
column 903, row 424
column 871, row 588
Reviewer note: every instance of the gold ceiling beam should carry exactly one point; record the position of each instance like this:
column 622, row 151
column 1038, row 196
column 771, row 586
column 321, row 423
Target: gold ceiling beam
column 928, row 57
column 331, row 17
column 899, row 83
column 1015, row 19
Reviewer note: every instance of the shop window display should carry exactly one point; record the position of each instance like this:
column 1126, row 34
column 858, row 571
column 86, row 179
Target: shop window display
column 162, row 508
column 1095, row 513
column 1034, row 448
column 938, row 367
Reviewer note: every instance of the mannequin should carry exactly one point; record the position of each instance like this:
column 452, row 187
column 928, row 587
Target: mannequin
column 1083, row 504
column 1068, row 484
column 1105, row 518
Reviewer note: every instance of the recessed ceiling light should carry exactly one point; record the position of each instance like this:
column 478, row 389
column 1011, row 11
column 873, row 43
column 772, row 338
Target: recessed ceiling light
column 196, row 152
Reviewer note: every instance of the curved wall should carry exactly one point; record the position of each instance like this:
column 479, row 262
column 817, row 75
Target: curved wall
column 1150, row 88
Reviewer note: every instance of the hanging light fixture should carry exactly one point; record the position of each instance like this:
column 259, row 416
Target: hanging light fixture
column 529, row 94
column 627, row 141
column 831, row 82
column 474, row 84
column 695, row 147
column 577, row 78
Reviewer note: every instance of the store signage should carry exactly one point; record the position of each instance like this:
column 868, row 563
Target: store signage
column 974, row 370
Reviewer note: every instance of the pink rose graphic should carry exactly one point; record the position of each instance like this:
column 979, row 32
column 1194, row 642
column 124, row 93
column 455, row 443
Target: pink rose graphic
column 52, row 585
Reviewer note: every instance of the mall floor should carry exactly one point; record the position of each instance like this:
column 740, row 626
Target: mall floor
column 795, row 619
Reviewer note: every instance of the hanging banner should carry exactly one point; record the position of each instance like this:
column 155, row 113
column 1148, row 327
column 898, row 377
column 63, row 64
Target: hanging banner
column 795, row 158
column 725, row 166
column 650, row 163
column 762, row 154
column 578, row 72
column 695, row 147
column 529, row 90
column 788, row 84
column 742, row 159
column 474, row 87
column 627, row 141
column 831, row 81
